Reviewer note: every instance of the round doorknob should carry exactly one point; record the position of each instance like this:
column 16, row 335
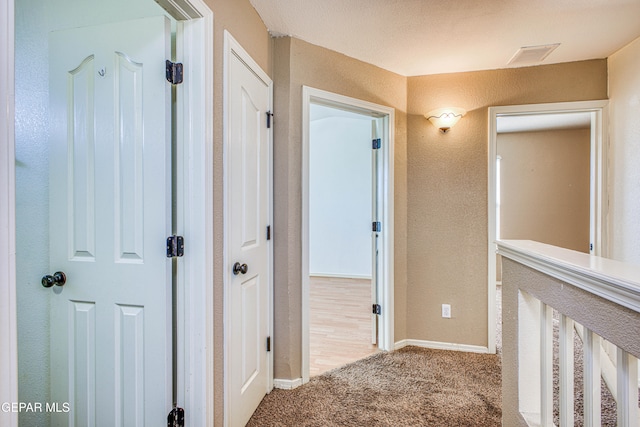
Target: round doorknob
column 58, row 278
column 237, row 268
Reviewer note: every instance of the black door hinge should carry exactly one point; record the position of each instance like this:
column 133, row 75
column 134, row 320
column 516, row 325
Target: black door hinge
column 376, row 143
column 268, row 343
column 269, row 115
column 268, row 232
column 174, row 72
column 176, row 418
column 377, row 309
column 590, row 246
column 376, row 226
column 175, row 246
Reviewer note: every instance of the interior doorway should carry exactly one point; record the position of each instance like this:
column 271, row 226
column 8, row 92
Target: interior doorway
column 347, row 230
column 553, row 156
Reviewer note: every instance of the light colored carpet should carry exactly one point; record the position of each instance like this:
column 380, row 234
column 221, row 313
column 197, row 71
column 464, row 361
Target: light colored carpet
column 408, row 387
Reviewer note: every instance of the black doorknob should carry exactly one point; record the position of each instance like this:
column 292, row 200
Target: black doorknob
column 58, row 278
column 237, row 268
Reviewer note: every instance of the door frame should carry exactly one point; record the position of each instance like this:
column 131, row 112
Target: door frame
column 386, row 290
column 232, row 47
column 598, row 183
column 195, row 192
column 8, row 315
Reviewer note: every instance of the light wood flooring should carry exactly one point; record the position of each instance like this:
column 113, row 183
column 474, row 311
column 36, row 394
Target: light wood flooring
column 340, row 322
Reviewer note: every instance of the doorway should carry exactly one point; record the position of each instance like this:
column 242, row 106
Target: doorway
column 347, row 286
column 571, row 129
column 33, row 23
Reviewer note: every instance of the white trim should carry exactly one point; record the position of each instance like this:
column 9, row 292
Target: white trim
column 232, row 47
column 287, row 384
column 341, row 276
column 436, row 345
column 598, row 176
column 194, row 47
column 612, row 280
column 310, row 95
column 8, row 319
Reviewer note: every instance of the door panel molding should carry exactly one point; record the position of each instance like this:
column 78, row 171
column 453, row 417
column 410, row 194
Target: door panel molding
column 386, row 290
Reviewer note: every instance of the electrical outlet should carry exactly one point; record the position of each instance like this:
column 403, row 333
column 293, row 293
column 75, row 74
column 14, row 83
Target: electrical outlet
column 446, row 311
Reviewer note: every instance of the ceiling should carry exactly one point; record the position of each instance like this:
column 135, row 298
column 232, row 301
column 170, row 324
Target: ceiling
column 419, row 37
column 540, row 122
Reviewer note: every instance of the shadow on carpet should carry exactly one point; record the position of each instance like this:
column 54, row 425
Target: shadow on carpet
column 408, row 387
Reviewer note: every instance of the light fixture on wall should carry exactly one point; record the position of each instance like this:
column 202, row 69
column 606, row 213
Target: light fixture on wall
column 445, row 118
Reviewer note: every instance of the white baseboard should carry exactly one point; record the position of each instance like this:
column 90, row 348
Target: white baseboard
column 442, row 346
column 287, row 384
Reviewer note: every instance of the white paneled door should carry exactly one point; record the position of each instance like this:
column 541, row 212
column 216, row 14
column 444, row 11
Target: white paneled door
column 248, row 198
column 110, row 194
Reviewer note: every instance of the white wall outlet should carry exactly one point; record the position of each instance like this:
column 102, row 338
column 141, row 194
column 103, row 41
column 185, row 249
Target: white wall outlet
column 446, row 311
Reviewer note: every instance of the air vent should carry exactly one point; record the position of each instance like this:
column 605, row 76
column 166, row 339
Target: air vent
column 530, row 55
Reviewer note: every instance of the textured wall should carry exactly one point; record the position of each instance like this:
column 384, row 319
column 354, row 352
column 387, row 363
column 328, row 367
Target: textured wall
column 624, row 154
column 297, row 63
column 545, row 187
column 447, row 188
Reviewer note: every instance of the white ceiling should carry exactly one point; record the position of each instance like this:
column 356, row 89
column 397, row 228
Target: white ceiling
column 418, row 37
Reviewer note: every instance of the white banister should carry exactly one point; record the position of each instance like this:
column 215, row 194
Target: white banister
column 592, row 384
column 599, row 298
column 566, row 367
column 546, row 361
column 627, row 379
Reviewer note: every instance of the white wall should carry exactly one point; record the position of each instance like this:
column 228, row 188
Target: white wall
column 340, row 184
column 624, row 133
column 34, row 20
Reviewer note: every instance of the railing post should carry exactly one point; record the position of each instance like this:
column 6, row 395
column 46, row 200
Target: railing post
column 627, row 380
column 566, row 358
column 592, row 415
column 546, row 365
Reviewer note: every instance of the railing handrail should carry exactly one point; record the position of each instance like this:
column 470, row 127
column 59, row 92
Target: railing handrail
column 615, row 281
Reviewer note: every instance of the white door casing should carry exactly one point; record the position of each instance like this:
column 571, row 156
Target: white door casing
column 247, row 207
column 384, row 268
column 599, row 198
column 110, row 196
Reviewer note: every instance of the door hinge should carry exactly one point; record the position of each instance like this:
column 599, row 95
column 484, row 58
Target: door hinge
column 269, row 115
column 377, row 309
column 376, row 226
column 175, row 246
column 268, row 232
column 174, row 72
column 176, row 418
column 590, row 246
column 268, row 343
column 376, row 143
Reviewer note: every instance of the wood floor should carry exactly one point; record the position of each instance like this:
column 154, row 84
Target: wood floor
column 340, row 322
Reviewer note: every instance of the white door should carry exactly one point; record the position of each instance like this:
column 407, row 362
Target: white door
column 248, row 198
column 110, row 189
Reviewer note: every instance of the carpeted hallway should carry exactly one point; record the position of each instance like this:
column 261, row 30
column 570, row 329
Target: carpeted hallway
column 408, row 387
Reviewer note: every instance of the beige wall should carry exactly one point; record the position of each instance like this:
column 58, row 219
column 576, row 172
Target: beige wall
column 545, row 187
column 244, row 24
column 624, row 154
column 447, row 188
column 297, row 63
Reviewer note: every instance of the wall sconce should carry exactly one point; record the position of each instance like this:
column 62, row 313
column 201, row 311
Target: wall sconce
column 445, row 118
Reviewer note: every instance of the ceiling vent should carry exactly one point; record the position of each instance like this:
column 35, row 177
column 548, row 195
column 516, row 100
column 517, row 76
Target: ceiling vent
column 529, row 55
